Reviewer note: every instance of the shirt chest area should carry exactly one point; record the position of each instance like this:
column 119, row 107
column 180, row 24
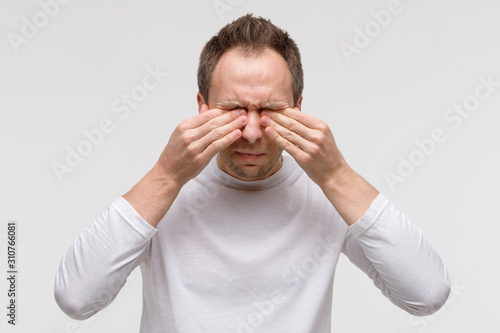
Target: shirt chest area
column 247, row 241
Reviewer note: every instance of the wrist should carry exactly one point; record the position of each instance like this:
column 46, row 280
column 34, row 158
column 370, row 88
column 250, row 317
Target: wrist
column 163, row 180
column 340, row 176
column 349, row 193
column 153, row 195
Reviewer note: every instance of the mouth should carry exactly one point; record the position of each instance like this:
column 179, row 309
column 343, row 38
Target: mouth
column 249, row 157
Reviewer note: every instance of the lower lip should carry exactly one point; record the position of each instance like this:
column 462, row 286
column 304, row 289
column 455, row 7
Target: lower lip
column 249, row 158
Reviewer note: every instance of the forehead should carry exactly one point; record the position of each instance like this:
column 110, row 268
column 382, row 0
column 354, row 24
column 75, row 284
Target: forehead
column 261, row 79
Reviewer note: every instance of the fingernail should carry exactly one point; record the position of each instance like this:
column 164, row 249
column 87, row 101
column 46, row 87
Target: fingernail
column 241, row 112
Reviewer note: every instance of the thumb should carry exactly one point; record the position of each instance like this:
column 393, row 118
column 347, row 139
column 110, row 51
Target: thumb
column 203, row 108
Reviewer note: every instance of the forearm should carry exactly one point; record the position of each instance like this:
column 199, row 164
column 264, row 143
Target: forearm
column 399, row 259
column 349, row 193
column 98, row 263
column 153, row 195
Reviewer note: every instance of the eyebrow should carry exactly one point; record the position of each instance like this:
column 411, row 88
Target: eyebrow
column 237, row 105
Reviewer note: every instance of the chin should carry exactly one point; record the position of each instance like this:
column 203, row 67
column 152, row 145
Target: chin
column 248, row 168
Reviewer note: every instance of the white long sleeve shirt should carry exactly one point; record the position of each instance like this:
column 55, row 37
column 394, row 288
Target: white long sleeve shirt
column 239, row 256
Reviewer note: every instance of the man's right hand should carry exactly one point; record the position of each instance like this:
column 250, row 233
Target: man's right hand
column 192, row 145
column 197, row 140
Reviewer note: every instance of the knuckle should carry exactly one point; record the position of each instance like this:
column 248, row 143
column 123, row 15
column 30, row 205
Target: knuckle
column 183, row 126
column 307, row 159
column 191, row 150
column 187, row 138
column 209, row 114
column 317, row 137
column 287, row 145
column 323, row 127
column 288, row 135
column 217, row 132
column 290, row 124
column 315, row 149
column 214, row 124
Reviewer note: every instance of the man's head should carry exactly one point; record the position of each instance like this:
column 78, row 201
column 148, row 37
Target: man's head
column 252, row 35
column 250, row 64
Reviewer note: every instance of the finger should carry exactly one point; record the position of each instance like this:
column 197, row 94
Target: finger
column 289, row 123
column 301, row 117
column 288, row 134
column 215, row 146
column 219, row 122
column 204, row 108
column 218, row 133
column 222, row 120
column 204, row 117
column 292, row 149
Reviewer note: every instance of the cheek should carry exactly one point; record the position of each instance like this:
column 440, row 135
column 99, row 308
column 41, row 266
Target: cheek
column 271, row 146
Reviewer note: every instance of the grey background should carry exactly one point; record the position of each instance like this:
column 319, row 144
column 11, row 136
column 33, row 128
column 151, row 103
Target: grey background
column 395, row 91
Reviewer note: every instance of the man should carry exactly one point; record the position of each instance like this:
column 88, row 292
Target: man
column 231, row 236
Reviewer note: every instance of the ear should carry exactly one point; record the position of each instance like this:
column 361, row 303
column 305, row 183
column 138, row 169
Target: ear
column 299, row 104
column 202, row 106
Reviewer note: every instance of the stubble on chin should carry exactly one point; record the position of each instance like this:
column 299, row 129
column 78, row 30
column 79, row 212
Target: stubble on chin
column 250, row 172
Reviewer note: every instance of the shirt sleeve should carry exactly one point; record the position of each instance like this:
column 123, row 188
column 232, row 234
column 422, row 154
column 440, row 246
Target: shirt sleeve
column 96, row 266
column 395, row 254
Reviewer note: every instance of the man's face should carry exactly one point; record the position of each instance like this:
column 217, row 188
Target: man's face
column 254, row 83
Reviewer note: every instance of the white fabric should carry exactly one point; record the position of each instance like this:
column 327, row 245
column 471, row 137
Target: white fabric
column 237, row 256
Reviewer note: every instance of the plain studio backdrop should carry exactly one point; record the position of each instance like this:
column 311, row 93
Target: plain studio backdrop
column 410, row 89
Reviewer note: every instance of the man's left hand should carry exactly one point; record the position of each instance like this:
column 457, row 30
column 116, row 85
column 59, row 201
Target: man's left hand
column 310, row 142
column 307, row 139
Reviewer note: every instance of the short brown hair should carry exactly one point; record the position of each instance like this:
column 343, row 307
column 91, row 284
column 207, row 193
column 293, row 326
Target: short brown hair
column 252, row 35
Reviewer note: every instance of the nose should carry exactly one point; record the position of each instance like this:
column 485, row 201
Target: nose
column 252, row 130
